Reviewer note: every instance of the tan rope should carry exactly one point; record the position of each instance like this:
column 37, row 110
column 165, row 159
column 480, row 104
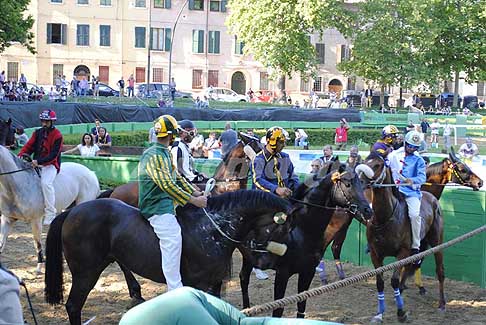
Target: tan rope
column 356, row 278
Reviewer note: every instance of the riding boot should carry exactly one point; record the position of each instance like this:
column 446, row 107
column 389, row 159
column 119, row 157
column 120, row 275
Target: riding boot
column 415, row 251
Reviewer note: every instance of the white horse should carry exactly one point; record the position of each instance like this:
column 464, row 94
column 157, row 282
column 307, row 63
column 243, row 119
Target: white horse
column 21, row 195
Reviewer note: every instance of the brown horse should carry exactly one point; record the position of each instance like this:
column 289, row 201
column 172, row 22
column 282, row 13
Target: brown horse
column 389, row 231
column 230, row 175
column 449, row 170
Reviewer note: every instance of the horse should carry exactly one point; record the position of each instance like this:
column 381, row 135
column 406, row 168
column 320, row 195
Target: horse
column 449, row 170
column 96, row 233
column 21, row 195
column 313, row 207
column 230, row 175
column 389, row 232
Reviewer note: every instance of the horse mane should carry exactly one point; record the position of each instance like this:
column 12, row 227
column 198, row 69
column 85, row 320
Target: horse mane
column 373, row 155
column 435, row 168
column 247, row 199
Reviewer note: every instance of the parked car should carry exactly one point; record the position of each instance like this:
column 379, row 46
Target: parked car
column 266, row 96
column 224, row 95
column 158, row 90
column 104, row 90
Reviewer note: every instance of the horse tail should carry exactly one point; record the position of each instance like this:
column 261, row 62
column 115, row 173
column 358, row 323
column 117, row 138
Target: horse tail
column 54, row 286
column 105, row 194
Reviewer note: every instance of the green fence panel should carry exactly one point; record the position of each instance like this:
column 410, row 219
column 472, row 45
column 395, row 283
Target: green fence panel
column 120, row 127
column 142, row 126
column 79, row 128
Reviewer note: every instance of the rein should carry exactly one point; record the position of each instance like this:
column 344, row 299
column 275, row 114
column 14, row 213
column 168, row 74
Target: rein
column 16, row 171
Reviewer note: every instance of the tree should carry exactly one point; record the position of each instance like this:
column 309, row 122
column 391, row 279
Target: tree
column 15, row 26
column 277, row 33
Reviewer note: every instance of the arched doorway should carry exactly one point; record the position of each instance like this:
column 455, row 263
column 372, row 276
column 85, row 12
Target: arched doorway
column 82, row 71
column 238, row 82
column 335, row 86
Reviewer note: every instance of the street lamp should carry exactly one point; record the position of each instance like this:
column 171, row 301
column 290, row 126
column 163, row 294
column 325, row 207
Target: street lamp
column 172, row 37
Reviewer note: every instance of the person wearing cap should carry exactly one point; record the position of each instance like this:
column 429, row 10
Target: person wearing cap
column 385, row 145
column 468, row 150
column 182, row 156
column 161, row 189
column 228, row 139
column 20, row 136
column 341, row 137
column 46, row 144
column 409, row 168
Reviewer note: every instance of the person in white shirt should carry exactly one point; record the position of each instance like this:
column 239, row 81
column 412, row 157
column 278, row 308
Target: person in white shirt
column 434, row 127
column 468, row 150
column 210, row 144
column 53, row 95
column 300, row 137
column 152, row 138
column 87, row 147
column 447, row 136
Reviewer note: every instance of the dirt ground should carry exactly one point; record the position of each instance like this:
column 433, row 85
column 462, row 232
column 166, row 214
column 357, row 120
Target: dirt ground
column 351, row 305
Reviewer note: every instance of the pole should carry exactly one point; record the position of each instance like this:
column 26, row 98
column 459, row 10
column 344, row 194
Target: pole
column 147, row 89
column 172, row 37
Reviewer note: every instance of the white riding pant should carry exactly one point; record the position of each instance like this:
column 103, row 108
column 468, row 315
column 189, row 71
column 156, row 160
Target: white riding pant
column 168, row 230
column 48, row 174
column 413, row 204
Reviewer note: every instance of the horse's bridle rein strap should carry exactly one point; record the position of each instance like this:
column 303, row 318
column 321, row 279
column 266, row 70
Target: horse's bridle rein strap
column 16, row 171
column 452, row 168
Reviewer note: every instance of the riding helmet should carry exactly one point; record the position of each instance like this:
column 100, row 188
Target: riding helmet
column 276, row 134
column 47, row 115
column 186, row 124
column 389, row 130
column 413, row 138
column 165, row 125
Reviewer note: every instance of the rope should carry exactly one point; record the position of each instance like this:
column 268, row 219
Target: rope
column 357, row 278
column 429, row 184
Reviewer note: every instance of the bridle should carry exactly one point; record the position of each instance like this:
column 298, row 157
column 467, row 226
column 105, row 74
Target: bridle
column 17, row 170
column 452, row 167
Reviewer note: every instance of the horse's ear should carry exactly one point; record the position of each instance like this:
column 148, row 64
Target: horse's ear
column 336, row 165
column 9, row 121
column 453, row 156
column 342, row 168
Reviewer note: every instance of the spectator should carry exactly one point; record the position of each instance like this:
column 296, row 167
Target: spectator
column 250, row 132
column 300, row 138
column 315, row 99
column 196, row 146
column 172, row 87
column 75, row 86
column 410, row 127
column 197, row 102
column 131, row 86
column 121, row 85
column 53, row 95
column 447, row 136
column 20, row 136
column 94, row 130
column 83, row 86
column 424, row 126
column 152, row 138
column 210, row 144
column 468, row 150
column 316, row 165
column 434, row 127
column 250, row 94
column 2, row 94
column 96, row 86
column 103, row 140
column 341, row 137
column 205, row 102
column 227, row 139
column 64, row 84
column 344, row 104
column 2, row 79
column 23, row 81
column 327, row 156
column 57, row 82
column 354, row 158
column 296, row 105
column 87, row 147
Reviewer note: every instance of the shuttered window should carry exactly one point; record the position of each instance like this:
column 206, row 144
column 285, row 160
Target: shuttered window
column 197, row 79
column 321, row 53
column 213, row 78
column 213, row 46
column 197, row 41
column 139, row 74
column 104, row 73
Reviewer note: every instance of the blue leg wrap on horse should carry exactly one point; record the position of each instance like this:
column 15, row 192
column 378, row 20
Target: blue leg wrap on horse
column 398, row 299
column 381, row 302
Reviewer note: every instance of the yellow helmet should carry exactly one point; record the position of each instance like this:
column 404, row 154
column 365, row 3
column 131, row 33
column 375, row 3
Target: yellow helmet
column 165, row 125
column 389, row 130
column 276, row 134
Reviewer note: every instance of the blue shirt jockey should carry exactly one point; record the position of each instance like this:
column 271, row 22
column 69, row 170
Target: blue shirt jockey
column 410, row 166
column 272, row 171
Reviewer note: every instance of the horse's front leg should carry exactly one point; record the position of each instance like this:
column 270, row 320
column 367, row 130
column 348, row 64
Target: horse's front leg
column 36, row 225
column 281, row 279
column 337, row 246
column 380, row 286
column 305, row 280
column 6, row 225
column 245, row 273
column 402, row 315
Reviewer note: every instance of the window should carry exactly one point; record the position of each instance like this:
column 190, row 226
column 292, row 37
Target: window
column 213, row 78
column 57, row 70
column 105, row 2
column 56, row 1
column 196, row 4
column 263, row 81
column 165, row 4
column 13, row 71
column 139, row 74
column 140, row 37
column 321, row 53
column 83, row 2
column 158, row 75
column 104, row 73
column 197, row 41
column 213, row 42
column 140, row 3
column 352, row 83
column 239, row 45
column 105, row 31
column 304, row 84
column 56, row 33
column 481, row 88
column 160, row 39
column 317, row 84
column 343, row 52
column 82, row 35
column 197, row 79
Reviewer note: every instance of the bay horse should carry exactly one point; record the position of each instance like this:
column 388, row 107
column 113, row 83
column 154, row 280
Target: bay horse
column 313, row 206
column 449, row 170
column 230, row 175
column 389, row 232
column 21, row 195
column 99, row 232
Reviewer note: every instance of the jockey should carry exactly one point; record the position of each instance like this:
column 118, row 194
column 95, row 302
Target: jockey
column 161, row 188
column 385, row 145
column 410, row 169
column 46, row 145
column 272, row 169
column 181, row 153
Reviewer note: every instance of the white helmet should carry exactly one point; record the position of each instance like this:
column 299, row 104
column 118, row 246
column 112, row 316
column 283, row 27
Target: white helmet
column 413, row 138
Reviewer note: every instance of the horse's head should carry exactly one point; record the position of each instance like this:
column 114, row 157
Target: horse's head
column 373, row 170
column 7, row 133
column 252, row 142
column 460, row 173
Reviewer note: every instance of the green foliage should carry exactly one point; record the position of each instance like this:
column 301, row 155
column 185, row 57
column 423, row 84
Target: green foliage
column 15, row 25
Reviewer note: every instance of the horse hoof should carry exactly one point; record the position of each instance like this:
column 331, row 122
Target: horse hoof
column 300, row 315
column 377, row 319
column 402, row 316
column 442, row 309
column 422, row 291
column 403, row 288
column 134, row 302
column 38, row 270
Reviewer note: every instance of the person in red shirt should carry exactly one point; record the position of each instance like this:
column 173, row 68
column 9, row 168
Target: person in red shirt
column 341, row 137
column 46, row 144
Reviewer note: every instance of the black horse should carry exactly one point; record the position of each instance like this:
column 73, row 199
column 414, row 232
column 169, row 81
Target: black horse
column 7, row 133
column 313, row 208
column 96, row 233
